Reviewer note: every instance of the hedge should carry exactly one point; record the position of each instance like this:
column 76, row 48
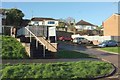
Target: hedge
column 12, row 49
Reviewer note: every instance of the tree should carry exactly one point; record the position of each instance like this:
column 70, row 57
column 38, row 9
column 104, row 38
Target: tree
column 14, row 17
column 70, row 21
column 62, row 23
column 71, row 24
column 99, row 27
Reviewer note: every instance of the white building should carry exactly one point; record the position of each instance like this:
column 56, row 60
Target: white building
column 45, row 27
column 49, row 26
column 44, row 21
column 83, row 25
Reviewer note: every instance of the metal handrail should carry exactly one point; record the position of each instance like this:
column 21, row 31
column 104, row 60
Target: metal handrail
column 34, row 36
column 38, row 38
column 49, row 43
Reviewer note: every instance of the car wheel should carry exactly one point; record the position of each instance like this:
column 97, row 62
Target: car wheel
column 91, row 42
column 80, row 42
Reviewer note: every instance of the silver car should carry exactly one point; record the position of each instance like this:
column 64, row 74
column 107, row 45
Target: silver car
column 80, row 40
column 108, row 43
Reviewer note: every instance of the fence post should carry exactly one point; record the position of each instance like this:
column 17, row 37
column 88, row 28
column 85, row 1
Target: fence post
column 44, row 51
column 36, row 44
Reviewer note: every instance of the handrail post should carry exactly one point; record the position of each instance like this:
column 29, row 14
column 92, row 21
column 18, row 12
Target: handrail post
column 44, row 51
column 30, row 37
column 36, row 44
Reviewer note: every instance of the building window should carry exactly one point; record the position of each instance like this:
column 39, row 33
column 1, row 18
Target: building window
column 51, row 22
column 36, row 23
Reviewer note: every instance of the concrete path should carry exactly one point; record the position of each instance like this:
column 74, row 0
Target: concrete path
column 16, row 61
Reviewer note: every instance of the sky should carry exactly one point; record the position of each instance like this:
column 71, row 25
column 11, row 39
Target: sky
column 93, row 12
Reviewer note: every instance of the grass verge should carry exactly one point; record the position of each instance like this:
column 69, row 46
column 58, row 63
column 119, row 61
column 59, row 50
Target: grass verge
column 111, row 49
column 72, row 54
column 65, row 70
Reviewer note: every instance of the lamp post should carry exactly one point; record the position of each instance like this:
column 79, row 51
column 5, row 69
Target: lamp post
column 74, row 27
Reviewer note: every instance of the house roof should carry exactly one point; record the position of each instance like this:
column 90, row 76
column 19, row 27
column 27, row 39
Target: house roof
column 41, row 19
column 1, row 11
column 24, row 22
column 115, row 14
column 82, row 22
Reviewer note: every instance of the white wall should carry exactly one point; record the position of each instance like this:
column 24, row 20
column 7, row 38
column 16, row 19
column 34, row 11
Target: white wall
column 35, row 22
column 91, row 38
column 52, row 31
column 56, row 23
column 85, row 27
column 44, row 23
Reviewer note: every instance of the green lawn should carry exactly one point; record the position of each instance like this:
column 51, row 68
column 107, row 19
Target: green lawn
column 112, row 49
column 72, row 54
column 51, row 71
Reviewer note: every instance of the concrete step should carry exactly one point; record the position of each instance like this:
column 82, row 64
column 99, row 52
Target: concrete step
column 27, row 48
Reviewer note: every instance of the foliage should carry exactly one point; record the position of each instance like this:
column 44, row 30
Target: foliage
column 61, row 24
column 72, row 54
column 64, row 70
column 11, row 48
column 14, row 16
column 111, row 49
column 70, row 21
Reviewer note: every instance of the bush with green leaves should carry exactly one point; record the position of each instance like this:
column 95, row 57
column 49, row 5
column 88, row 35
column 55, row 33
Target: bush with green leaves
column 12, row 49
column 65, row 70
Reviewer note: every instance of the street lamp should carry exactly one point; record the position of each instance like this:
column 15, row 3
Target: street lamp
column 74, row 27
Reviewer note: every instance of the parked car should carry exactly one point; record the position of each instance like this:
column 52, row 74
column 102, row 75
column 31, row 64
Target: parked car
column 108, row 43
column 80, row 40
column 65, row 38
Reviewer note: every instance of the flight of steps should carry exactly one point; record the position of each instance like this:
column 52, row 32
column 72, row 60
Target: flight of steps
column 49, row 46
column 34, row 51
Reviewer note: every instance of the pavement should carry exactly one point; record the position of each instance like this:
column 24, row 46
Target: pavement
column 14, row 61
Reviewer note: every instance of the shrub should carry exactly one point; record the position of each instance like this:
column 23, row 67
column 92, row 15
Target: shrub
column 12, row 49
